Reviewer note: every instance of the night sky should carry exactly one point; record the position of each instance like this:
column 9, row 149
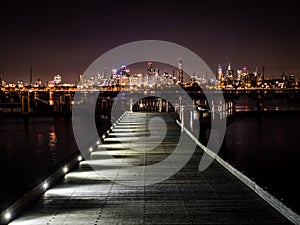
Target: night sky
column 66, row 37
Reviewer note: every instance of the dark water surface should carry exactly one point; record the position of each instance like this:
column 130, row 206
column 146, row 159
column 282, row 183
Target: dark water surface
column 29, row 150
column 266, row 147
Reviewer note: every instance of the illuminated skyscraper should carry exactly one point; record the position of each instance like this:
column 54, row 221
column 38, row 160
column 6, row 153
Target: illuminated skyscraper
column 229, row 75
column 149, row 69
column 57, row 79
column 259, row 77
column 239, row 75
column 245, row 71
column 105, row 72
column 229, row 71
column 291, row 80
column 113, row 73
column 244, row 78
column 219, row 73
column 180, row 71
column 123, row 70
column 256, row 71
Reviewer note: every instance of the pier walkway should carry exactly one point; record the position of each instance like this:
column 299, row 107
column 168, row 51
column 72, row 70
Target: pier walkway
column 214, row 196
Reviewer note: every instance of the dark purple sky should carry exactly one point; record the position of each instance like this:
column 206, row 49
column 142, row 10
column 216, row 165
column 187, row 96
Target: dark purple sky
column 65, row 37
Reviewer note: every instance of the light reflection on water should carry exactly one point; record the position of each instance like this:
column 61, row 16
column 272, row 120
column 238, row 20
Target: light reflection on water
column 52, row 145
column 266, row 148
column 28, row 149
column 247, row 104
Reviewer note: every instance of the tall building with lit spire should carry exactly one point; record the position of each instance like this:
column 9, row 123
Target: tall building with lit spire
column 219, row 73
column 229, row 74
column 180, row 71
column 149, row 69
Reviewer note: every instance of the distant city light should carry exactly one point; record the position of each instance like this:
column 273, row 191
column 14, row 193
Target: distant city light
column 124, row 79
column 114, row 70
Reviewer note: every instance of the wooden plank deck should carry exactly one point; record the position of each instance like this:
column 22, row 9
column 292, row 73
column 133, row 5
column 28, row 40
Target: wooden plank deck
column 189, row 197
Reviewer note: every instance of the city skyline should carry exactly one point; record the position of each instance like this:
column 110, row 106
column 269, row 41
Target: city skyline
column 152, row 74
column 140, row 70
column 66, row 38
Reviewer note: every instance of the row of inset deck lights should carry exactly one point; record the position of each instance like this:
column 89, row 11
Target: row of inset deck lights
column 45, row 186
column 91, row 149
column 98, row 143
column 65, row 169
column 7, row 216
column 108, row 131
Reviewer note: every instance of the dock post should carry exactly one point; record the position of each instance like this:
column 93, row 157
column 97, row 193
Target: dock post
column 180, row 107
column 167, row 106
column 182, row 118
column 191, row 120
column 130, row 105
column 160, row 105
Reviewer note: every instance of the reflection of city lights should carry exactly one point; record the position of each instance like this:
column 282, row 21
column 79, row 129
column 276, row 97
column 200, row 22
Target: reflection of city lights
column 52, row 140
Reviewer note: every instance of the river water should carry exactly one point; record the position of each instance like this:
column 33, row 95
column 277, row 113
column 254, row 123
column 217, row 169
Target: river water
column 29, row 150
column 266, row 148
